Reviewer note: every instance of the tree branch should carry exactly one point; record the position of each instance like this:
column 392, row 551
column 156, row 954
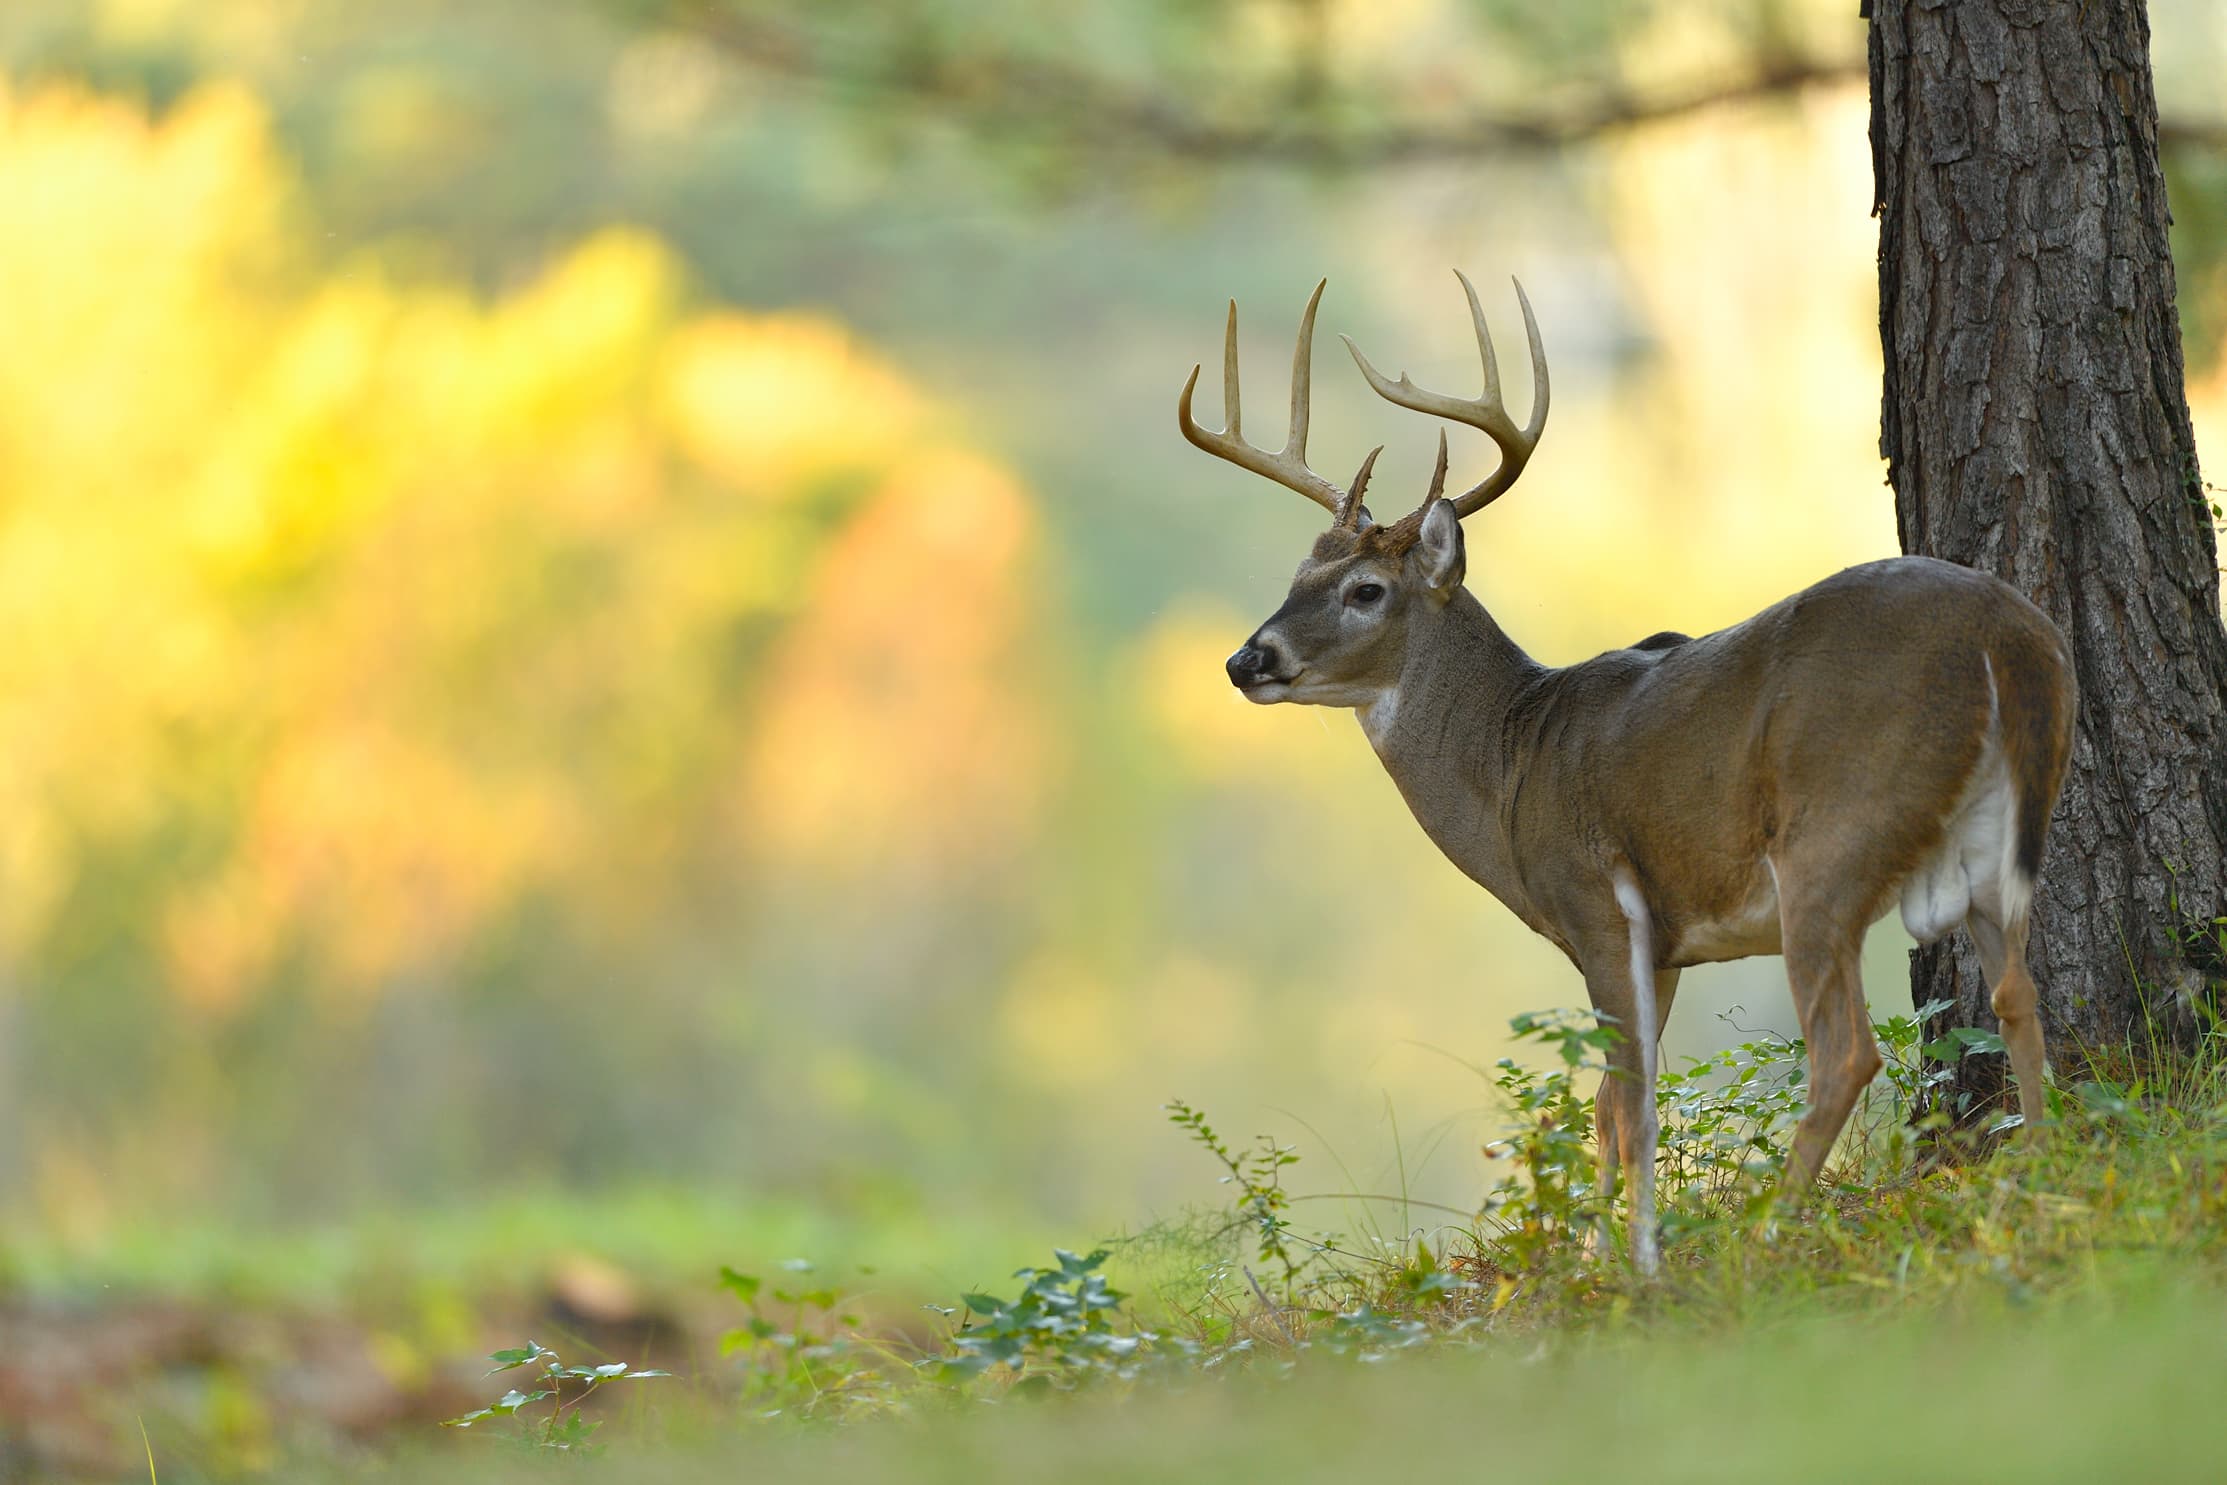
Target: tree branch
column 1092, row 111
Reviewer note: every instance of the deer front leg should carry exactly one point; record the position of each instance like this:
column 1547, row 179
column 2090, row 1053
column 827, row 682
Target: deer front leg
column 1617, row 1090
column 1620, row 978
column 1607, row 1154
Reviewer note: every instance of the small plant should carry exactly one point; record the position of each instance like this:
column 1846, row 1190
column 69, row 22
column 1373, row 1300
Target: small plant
column 1066, row 1326
column 802, row 1354
column 1552, row 1187
column 563, row 1426
column 1258, row 1176
column 1724, row 1120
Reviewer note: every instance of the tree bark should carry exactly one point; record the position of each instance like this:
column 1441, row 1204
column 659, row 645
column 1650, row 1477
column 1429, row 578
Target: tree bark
column 2035, row 426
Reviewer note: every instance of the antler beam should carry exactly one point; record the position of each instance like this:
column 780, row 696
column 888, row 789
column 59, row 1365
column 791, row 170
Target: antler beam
column 1288, row 465
column 1488, row 413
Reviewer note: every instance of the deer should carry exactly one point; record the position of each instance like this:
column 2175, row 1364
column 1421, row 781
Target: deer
column 1895, row 735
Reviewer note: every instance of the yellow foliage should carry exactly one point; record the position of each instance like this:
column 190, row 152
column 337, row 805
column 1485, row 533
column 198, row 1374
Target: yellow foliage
column 819, row 405
column 392, row 608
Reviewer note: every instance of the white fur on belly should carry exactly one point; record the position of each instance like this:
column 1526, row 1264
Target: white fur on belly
column 1752, row 927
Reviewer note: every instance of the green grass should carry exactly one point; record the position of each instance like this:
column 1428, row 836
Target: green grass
column 2050, row 1307
column 503, row 1246
column 2124, row 1388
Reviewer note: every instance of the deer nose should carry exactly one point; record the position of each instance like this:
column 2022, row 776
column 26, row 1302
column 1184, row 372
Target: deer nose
column 1252, row 665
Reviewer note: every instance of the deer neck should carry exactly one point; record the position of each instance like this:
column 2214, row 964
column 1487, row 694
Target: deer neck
column 1441, row 733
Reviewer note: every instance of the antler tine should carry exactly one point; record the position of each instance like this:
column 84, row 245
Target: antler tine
column 1541, row 389
column 1438, row 475
column 1488, row 412
column 1349, row 508
column 1303, row 377
column 1288, row 465
column 1484, row 339
column 1230, row 403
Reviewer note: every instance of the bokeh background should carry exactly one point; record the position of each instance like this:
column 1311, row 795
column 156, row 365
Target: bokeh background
column 606, row 640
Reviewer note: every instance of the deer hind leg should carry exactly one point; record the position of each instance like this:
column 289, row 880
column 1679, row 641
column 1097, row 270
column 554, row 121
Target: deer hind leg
column 1823, row 965
column 2002, row 949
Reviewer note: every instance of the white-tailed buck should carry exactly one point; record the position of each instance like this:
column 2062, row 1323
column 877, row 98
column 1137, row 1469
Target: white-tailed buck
column 1896, row 734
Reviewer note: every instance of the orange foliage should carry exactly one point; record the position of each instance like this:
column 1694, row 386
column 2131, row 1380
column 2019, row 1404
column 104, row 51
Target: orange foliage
column 894, row 731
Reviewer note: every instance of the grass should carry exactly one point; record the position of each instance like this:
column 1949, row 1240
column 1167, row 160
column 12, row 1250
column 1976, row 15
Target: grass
column 502, row 1245
column 2095, row 1390
column 2049, row 1306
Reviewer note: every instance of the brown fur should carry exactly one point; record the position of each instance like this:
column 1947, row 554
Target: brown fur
column 1396, row 540
column 1812, row 756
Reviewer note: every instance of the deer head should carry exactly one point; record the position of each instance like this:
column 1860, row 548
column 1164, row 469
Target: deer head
column 1366, row 593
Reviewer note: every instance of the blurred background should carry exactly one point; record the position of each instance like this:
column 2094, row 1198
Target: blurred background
column 610, row 646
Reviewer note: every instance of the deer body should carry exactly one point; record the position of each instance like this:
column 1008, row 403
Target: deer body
column 1527, row 776
column 1894, row 736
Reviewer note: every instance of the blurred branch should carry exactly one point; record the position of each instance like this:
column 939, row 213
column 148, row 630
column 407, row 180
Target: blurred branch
column 989, row 91
column 2192, row 134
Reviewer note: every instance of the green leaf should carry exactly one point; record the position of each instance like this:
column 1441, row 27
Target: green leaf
column 572, row 1434
column 982, row 1304
column 511, row 1360
column 742, row 1286
column 1976, row 1040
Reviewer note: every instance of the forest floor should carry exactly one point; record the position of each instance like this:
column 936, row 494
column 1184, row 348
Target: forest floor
column 2047, row 1305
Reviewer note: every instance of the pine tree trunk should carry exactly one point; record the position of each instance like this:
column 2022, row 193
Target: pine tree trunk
column 2035, row 426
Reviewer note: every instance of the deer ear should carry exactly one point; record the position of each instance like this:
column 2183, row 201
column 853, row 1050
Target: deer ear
column 1439, row 549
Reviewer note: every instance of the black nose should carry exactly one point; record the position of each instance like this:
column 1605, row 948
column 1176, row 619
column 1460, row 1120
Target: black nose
column 1252, row 665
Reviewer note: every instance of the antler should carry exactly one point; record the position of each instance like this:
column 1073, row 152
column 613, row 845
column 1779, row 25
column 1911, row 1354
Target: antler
column 1486, row 412
column 1352, row 514
column 1288, row 465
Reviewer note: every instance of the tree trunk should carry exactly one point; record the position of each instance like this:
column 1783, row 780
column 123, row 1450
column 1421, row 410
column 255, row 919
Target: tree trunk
column 2035, row 426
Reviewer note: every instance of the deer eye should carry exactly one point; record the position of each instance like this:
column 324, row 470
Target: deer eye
column 1365, row 593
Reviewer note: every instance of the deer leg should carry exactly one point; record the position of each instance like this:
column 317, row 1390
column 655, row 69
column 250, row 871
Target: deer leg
column 1617, row 1109
column 1615, row 1092
column 1620, row 979
column 1637, row 1135
column 1606, row 1161
column 1609, row 987
column 2003, row 961
column 1823, row 965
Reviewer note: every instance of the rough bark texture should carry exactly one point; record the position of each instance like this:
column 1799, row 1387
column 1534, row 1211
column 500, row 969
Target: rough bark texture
column 2035, row 426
